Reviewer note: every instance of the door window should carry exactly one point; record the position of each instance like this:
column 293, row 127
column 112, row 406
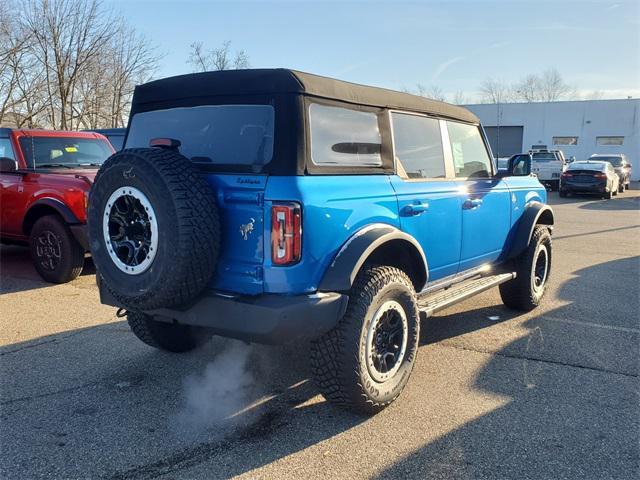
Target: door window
column 417, row 144
column 470, row 156
column 5, row 149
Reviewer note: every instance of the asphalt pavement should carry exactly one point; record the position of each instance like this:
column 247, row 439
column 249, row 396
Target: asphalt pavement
column 552, row 394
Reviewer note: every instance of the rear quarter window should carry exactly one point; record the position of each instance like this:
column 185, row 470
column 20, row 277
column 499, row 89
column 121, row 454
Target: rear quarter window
column 344, row 137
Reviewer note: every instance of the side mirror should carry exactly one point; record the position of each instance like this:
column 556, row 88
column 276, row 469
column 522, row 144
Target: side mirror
column 519, row 166
column 8, row 165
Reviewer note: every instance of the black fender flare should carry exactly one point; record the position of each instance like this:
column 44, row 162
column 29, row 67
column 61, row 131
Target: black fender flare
column 55, row 204
column 535, row 213
column 342, row 271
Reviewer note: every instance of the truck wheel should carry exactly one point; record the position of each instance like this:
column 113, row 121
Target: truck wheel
column 56, row 254
column 365, row 361
column 621, row 188
column 532, row 268
column 153, row 227
column 166, row 336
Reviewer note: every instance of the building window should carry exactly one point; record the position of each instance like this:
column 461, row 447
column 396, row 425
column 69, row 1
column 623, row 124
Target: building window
column 565, row 140
column 608, row 141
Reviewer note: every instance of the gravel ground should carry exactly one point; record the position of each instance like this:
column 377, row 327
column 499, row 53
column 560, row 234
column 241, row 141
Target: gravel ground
column 494, row 394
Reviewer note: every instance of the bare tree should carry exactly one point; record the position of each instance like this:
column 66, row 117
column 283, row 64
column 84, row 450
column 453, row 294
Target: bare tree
column 547, row 87
column 221, row 58
column 495, row 91
column 529, row 89
column 553, row 86
column 460, row 98
column 68, row 64
column 433, row 92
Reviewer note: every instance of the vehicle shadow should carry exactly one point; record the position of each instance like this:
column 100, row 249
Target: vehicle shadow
column 570, row 384
column 18, row 274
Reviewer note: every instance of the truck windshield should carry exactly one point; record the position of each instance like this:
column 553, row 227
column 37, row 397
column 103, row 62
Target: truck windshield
column 70, row 152
column 211, row 134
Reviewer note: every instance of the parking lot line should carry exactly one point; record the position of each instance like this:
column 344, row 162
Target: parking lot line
column 589, row 324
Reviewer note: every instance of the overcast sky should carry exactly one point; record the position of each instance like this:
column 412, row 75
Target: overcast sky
column 452, row 44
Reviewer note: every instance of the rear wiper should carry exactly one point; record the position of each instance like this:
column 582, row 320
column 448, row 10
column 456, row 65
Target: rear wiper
column 53, row 165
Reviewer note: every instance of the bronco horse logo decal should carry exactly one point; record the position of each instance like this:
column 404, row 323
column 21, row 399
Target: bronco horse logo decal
column 246, row 229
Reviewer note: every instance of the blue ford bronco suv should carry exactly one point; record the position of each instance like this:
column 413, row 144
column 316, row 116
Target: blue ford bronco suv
column 277, row 206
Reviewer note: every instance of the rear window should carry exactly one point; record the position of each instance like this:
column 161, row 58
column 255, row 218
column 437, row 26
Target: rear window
column 587, row 166
column 615, row 161
column 60, row 152
column 544, row 157
column 344, row 137
column 211, row 134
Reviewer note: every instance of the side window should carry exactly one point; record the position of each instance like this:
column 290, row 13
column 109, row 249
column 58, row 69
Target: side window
column 6, row 150
column 470, row 156
column 344, row 137
column 417, row 143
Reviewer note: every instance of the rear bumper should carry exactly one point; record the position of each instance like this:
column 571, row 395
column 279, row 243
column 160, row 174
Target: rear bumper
column 584, row 188
column 270, row 319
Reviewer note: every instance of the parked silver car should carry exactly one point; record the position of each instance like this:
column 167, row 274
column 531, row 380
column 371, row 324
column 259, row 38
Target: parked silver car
column 620, row 163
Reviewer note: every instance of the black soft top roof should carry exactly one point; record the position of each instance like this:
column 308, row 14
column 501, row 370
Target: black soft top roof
column 282, row 81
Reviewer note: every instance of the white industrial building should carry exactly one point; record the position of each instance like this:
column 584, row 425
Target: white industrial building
column 578, row 128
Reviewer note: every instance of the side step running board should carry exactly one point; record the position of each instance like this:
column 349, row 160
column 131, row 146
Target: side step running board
column 433, row 302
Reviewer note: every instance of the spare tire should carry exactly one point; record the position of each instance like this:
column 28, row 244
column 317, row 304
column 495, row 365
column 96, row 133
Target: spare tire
column 153, row 227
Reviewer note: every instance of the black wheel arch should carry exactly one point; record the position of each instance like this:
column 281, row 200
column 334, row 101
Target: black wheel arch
column 47, row 206
column 536, row 213
column 380, row 244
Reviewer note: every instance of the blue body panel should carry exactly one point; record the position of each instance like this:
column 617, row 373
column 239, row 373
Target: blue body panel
column 335, row 207
column 486, row 220
column 438, row 229
column 241, row 202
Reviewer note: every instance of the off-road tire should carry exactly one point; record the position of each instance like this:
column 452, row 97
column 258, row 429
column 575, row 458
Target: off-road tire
column 166, row 336
column 608, row 195
column 520, row 293
column 187, row 223
column 621, row 188
column 71, row 260
column 338, row 358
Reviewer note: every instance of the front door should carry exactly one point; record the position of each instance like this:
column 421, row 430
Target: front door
column 10, row 195
column 429, row 203
column 485, row 200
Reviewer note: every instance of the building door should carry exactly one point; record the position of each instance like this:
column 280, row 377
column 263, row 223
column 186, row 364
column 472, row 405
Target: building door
column 505, row 141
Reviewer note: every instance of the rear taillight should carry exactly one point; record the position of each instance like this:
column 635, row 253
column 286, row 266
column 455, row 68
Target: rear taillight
column 600, row 175
column 286, row 233
column 565, row 175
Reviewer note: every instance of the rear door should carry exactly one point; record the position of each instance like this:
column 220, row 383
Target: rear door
column 485, row 200
column 428, row 200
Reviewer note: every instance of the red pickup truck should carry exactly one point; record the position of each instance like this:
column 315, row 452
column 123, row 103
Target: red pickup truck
column 45, row 177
